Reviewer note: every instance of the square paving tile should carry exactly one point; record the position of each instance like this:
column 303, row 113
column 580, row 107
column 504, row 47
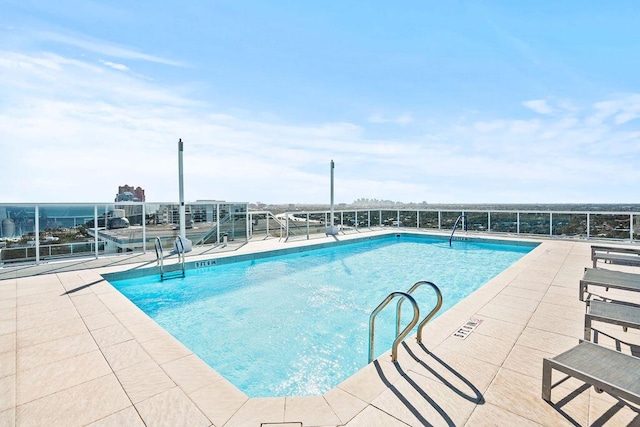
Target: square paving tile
column 78, row 405
column 144, row 380
column 52, row 377
column 171, row 408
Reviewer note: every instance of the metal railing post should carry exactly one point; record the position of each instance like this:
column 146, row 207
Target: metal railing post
column 218, row 223
column 37, row 233
column 144, row 229
column 248, row 223
column 588, row 226
column 286, row 226
column 518, row 222
column 550, row 224
column 95, row 227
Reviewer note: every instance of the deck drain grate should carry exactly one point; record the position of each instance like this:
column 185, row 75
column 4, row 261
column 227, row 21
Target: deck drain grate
column 285, row 424
column 470, row 325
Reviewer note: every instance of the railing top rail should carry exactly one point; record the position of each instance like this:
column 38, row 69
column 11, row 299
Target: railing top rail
column 466, row 211
column 34, row 204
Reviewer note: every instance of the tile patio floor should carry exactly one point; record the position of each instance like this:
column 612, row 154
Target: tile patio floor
column 74, row 351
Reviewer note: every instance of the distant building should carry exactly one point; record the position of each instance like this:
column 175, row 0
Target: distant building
column 130, row 194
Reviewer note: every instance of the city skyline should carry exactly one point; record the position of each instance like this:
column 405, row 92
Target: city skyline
column 460, row 102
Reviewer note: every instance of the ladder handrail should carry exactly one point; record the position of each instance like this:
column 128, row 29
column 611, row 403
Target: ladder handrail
column 159, row 255
column 428, row 316
column 455, row 226
column 180, row 252
column 405, row 331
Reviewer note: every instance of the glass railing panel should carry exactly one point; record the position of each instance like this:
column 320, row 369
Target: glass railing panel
column 200, row 223
column 409, row 219
column 162, row 220
column 363, row 219
column 239, row 226
column 534, row 223
column 375, row 220
column 127, row 224
column 610, row 226
column 504, row 222
column 348, row 219
column 448, row 219
column 428, row 219
column 233, row 224
column 18, row 234
column 570, row 225
column 389, row 218
column 63, row 232
column 636, row 227
column 477, row 221
column 316, row 217
column 259, row 224
column 114, row 230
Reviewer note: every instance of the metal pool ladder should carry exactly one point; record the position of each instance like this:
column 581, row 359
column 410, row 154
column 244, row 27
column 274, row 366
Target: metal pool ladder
column 405, row 331
column 179, row 244
column 428, row 316
column 416, row 315
column 462, row 218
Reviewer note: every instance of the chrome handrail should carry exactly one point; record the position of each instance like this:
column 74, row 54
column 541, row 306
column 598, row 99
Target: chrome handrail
column 455, row 226
column 428, row 316
column 180, row 252
column 400, row 336
column 159, row 256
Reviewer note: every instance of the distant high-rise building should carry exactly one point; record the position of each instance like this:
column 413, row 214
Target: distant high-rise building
column 127, row 193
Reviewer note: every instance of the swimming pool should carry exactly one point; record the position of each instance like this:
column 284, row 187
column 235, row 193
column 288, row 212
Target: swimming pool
column 297, row 324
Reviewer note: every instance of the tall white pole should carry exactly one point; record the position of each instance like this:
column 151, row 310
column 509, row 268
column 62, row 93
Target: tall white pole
column 183, row 232
column 331, row 229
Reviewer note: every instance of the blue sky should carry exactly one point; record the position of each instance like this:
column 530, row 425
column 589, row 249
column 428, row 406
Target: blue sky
column 444, row 102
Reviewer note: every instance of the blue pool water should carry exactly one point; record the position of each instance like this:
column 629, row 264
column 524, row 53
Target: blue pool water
column 298, row 324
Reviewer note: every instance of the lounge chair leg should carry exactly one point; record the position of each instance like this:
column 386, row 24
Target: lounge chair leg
column 587, row 328
column 546, row 380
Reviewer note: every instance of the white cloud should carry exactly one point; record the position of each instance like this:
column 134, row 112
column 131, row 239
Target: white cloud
column 489, row 126
column 120, row 67
column 105, row 48
column 403, row 119
column 540, row 106
column 74, row 131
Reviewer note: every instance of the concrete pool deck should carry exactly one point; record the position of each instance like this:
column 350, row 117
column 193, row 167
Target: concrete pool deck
column 74, row 351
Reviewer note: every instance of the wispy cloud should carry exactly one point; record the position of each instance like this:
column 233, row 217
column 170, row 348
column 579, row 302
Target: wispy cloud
column 403, row 119
column 104, row 48
column 539, row 106
column 74, row 130
column 120, row 67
